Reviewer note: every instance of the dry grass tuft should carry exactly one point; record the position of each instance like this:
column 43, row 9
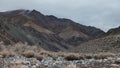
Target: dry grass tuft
column 69, row 66
column 29, row 54
column 7, row 53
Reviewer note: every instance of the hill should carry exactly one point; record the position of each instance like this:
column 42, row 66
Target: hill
column 46, row 31
column 109, row 43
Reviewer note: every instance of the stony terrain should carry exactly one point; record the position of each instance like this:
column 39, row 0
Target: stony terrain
column 60, row 62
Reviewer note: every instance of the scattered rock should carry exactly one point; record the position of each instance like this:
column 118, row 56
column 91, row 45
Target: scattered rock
column 1, row 56
column 114, row 65
column 60, row 62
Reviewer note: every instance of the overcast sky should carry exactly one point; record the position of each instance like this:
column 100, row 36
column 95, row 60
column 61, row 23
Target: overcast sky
column 104, row 14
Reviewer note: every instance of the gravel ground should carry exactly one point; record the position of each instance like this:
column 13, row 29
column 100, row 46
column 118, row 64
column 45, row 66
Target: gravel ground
column 60, row 62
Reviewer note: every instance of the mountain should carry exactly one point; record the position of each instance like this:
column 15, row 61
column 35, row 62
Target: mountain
column 114, row 31
column 59, row 25
column 109, row 43
column 46, row 31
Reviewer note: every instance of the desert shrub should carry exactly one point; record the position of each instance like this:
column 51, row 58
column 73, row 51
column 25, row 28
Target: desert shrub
column 99, row 57
column 88, row 56
column 69, row 66
column 39, row 57
column 71, row 57
column 5, row 53
column 103, row 55
column 43, row 53
column 29, row 54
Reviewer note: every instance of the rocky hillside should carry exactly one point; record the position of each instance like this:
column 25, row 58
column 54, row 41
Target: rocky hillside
column 108, row 43
column 46, row 31
column 114, row 31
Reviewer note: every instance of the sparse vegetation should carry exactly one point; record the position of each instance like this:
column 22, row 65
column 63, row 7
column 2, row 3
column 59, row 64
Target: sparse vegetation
column 33, row 51
column 29, row 54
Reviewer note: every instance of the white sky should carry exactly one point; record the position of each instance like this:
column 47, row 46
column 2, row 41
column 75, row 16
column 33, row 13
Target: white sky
column 104, row 14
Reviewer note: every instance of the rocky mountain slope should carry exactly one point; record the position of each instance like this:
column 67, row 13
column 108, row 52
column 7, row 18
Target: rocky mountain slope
column 114, row 31
column 46, row 31
column 109, row 43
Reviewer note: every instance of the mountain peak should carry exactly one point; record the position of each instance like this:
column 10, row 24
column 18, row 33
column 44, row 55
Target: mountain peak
column 35, row 13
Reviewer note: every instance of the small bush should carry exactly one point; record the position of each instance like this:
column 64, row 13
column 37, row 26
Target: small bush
column 71, row 57
column 69, row 66
column 88, row 56
column 5, row 53
column 28, row 54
